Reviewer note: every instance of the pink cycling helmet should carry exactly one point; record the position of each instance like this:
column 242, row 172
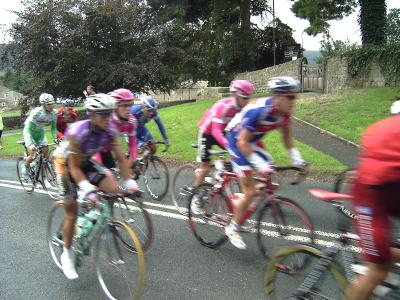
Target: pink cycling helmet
column 121, row 95
column 242, row 88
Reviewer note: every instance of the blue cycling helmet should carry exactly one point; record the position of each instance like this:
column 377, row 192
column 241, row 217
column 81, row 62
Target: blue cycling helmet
column 148, row 103
column 69, row 103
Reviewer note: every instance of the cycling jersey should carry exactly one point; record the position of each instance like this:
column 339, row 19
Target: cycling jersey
column 34, row 126
column 143, row 134
column 217, row 118
column 379, row 161
column 257, row 117
column 63, row 120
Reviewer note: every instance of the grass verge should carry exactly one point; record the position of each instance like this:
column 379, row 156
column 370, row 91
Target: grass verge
column 347, row 113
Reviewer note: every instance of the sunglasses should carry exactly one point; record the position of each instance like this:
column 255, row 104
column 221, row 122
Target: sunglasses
column 104, row 114
column 290, row 97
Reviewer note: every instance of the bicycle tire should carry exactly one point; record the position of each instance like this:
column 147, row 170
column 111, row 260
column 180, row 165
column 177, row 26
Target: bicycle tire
column 137, row 218
column 291, row 281
column 157, row 188
column 27, row 183
column 49, row 180
column 134, row 285
column 215, row 213
column 54, row 235
column 180, row 182
column 290, row 223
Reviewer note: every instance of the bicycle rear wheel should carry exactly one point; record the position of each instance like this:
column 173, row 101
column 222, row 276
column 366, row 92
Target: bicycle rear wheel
column 183, row 179
column 208, row 224
column 49, row 180
column 54, row 235
column 24, row 177
column 138, row 219
column 156, row 178
column 282, row 222
column 280, row 283
column 121, row 273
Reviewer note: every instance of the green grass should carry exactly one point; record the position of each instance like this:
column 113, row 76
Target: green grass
column 181, row 125
column 347, row 113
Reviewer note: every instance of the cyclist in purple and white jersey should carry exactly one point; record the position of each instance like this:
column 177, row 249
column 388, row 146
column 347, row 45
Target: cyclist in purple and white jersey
column 75, row 168
column 245, row 132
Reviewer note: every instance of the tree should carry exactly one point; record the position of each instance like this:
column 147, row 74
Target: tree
column 393, row 26
column 372, row 18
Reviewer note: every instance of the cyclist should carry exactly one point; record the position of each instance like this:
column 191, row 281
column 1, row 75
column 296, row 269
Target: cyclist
column 245, row 132
column 144, row 112
column 33, row 132
column 75, row 169
column 376, row 193
column 125, row 123
column 66, row 114
column 212, row 126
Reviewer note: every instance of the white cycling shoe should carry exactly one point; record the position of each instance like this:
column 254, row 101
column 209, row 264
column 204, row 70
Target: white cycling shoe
column 68, row 265
column 234, row 237
column 195, row 205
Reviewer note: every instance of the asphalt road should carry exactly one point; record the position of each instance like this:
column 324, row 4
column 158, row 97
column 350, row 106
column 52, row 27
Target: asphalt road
column 178, row 267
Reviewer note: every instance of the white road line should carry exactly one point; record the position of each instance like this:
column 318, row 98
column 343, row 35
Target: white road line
column 271, row 233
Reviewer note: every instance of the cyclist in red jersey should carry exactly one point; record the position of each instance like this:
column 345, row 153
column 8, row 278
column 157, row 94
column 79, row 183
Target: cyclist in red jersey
column 376, row 198
column 65, row 115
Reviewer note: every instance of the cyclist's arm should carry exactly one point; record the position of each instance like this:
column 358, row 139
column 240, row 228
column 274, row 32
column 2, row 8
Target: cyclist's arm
column 74, row 161
column 28, row 130
column 54, row 127
column 132, row 142
column 217, row 131
column 120, row 158
column 161, row 127
column 288, row 140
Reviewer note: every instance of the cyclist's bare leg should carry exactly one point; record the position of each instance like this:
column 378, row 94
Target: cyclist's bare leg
column 205, row 167
column 109, row 185
column 31, row 155
column 247, row 184
column 71, row 210
column 363, row 285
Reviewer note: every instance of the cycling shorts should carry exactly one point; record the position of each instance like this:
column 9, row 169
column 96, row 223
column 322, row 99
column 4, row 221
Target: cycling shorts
column 374, row 205
column 241, row 166
column 205, row 142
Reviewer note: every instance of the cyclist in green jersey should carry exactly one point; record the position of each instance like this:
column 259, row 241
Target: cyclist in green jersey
column 33, row 133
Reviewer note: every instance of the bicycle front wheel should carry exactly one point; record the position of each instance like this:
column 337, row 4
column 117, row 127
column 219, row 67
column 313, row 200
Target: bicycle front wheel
column 24, row 177
column 282, row 222
column 138, row 219
column 121, row 273
column 326, row 282
column 49, row 180
column 181, row 182
column 156, row 178
column 54, row 234
column 209, row 216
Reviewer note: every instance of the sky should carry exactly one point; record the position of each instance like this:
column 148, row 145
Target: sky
column 345, row 29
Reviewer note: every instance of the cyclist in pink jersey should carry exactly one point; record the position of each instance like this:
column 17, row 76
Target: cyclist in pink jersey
column 214, row 121
column 125, row 123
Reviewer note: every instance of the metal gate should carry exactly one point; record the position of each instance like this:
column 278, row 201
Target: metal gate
column 312, row 77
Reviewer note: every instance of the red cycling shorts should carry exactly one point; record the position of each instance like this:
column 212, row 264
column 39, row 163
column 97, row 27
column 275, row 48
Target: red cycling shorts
column 374, row 205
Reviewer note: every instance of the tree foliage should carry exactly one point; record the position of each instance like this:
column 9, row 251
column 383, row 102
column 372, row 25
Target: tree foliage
column 393, row 26
column 372, row 21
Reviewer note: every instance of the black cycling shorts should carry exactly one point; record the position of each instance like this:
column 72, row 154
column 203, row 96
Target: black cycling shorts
column 205, row 142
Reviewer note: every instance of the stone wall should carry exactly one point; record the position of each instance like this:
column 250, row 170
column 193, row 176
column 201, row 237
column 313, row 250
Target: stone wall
column 189, row 94
column 337, row 77
column 260, row 77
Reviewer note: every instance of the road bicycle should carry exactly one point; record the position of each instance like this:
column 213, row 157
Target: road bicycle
column 184, row 177
column 154, row 171
column 40, row 170
column 280, row 220
column 120, row 272
column 324, row 277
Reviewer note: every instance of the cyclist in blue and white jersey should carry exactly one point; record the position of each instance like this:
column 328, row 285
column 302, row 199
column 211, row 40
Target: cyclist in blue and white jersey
column 144, row 112
column 245, row 132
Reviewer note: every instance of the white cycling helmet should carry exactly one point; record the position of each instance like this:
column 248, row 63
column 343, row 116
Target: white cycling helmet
column 100, row 102
column 284, row 85
column 395, row 108
column 46, row 98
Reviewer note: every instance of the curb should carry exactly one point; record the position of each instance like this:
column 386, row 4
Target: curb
column 327, row 132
